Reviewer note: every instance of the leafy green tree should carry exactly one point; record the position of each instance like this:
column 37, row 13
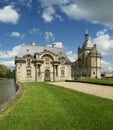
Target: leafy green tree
column 3, row 70
column 6, row 73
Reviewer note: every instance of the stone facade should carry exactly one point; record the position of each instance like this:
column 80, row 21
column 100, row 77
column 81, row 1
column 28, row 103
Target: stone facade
column 88, row 64
column 39, row 63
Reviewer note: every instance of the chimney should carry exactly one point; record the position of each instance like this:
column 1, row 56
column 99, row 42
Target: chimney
column 33, row 43
column 53, row 45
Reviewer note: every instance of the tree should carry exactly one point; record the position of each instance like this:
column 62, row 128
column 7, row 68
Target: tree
column 6, row 73
column 3, row 70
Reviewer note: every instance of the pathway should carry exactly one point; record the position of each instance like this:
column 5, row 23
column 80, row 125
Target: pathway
column 97, row 90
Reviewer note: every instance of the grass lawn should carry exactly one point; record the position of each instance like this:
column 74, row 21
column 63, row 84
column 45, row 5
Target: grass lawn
column 101, row 81
column 48, row 107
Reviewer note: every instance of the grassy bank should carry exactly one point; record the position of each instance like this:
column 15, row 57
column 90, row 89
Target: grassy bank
column 48, row 107
column 102, row 81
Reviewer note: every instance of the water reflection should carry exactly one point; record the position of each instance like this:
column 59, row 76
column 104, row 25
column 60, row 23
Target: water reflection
column 7, row 89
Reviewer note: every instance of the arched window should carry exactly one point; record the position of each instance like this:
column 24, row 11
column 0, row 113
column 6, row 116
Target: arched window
column 47, row 75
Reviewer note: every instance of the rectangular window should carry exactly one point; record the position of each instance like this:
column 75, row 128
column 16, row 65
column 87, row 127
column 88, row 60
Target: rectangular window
column 62, row 65
column 38, row 66
column 28, row 63
column 28, row 73
column 62, row 73
column 56, row 70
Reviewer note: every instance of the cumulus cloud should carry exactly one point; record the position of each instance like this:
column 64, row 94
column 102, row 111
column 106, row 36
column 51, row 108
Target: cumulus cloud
column 48, row 3
column 9, row 15
column 74, row 12
column 95, row 12
column 27, row 3
column 48, row 13
column 49, row 36
column 9, row 63
column 104, row 42
column 59, row 17
column 106, row 66
column 10, row 53
column 17, row 35
column 7, row 57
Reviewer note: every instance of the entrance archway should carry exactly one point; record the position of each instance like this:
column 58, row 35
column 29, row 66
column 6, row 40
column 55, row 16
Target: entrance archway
column 47, row 75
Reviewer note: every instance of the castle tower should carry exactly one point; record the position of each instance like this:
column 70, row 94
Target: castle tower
column 89, row 60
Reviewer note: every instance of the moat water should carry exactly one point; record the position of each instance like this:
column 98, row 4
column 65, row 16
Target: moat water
column 7, row 89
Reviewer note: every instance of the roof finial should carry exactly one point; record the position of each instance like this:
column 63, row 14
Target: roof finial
column 86, row 35
column 86, row 31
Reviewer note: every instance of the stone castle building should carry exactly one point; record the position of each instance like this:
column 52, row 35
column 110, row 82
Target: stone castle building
column 88, row 63
column 42, row 63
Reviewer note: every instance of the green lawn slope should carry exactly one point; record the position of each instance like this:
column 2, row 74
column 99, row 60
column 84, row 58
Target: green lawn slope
column 48, row 107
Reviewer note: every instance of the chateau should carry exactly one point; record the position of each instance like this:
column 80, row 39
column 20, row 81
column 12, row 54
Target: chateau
column 43, row 63
column 88, row 64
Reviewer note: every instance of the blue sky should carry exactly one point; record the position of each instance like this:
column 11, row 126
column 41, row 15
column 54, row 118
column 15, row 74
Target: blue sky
column 56, row 21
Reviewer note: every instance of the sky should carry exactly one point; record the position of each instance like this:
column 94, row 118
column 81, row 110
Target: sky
column 62, row 22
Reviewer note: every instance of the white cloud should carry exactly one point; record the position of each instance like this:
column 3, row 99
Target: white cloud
column 48, row 14
column 49, row 36
column 106, row 66
column 34, row 30
column 48, row 3
column 27, row 3
column 9, row 63
column 7, row 57
column 59, row 17
column 10, row 53
column 95, row 12
column 104, row 42
column 64, row 1
column 74, row 12
column 17, row 35
column 9, row 15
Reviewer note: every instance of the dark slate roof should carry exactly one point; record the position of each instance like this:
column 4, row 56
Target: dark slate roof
column 30, row 49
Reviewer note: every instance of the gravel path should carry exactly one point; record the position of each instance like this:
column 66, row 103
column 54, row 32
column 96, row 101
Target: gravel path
column 97, row 90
